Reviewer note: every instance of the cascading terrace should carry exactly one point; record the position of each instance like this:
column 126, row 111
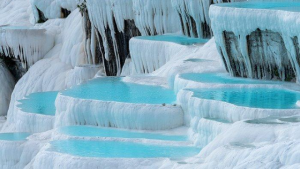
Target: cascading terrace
column 176, row 107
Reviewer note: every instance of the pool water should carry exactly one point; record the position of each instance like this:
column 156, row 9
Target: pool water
column 114, row 89
column 14, row 136
column 89, row 131
column 290, row 119
column 39, row 103
column 196, row 60
column 281, row 5
column 222, row 78
column 182, row 40
column 265, row 98
column 115, row 149
column 265, row 121
column 217, row 120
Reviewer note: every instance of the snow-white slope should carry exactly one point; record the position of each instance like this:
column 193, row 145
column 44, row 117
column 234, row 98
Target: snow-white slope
column 15, row 12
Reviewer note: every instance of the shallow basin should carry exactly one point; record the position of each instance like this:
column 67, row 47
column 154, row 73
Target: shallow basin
column 283, row 5
column 115, row 149
column 90, row 131
column 14, row 136
column 182, row 40
column 265, row 98
column 39, row 103
column 221, row 78
column 114, row 89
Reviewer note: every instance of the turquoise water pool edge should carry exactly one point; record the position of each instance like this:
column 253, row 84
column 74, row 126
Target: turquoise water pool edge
column 116, row 149
column 264, row 98
column 179, row 39
column 14, row 136
column 91, row 131
column 284, row 6
column 114, row 89
column 39, row 103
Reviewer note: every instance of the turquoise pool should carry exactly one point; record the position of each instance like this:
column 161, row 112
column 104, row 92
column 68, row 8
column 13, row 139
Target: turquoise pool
column 182, row 40
column 290, row 119
column 221, row 78
column 217, row 120
column 196, row 60
column 115, row 149
column 114, row 89
column 280, row 5
column 39, row 103
column 89, row 131
column 265, row 98
column 270, row 121
column 14, row 136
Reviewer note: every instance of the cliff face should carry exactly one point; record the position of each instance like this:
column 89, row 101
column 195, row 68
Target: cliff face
column 14, row 66
column 256, row 42
column 109, row 25
column 6, row 87
column 267, row 56
column 109, row 48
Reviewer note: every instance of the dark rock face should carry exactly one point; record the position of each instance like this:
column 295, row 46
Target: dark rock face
column 189, row 29
column 267, row 56
column 14, row 66
column 117, row 52
column 42, row 17
column 297, row 49
column 65, row 13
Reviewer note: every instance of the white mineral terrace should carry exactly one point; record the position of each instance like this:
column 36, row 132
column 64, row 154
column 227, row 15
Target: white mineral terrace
column 24, row 43
column 175, row 105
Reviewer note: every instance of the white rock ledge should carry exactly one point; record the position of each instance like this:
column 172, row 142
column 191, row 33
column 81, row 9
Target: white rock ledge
column 76, row 111
column 201, row 108
column 24, row 43
column 32, row 122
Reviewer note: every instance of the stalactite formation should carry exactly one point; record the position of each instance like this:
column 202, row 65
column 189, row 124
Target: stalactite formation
column 194, row 16
column 253, row 47
column 111, row 24
column 21, row 47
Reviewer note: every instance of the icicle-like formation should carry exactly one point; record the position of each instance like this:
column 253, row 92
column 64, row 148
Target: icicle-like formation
column 24, row 44
column 112, row 26
column 257, row 43
column 154, row 17
column 194, row 16
column 51, row 9
column 6, row 88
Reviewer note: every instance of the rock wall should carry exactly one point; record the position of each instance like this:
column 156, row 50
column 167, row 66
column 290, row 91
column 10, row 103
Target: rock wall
column 257, row 42
column 7, row 84
column 267, row 56
column 111, row 24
